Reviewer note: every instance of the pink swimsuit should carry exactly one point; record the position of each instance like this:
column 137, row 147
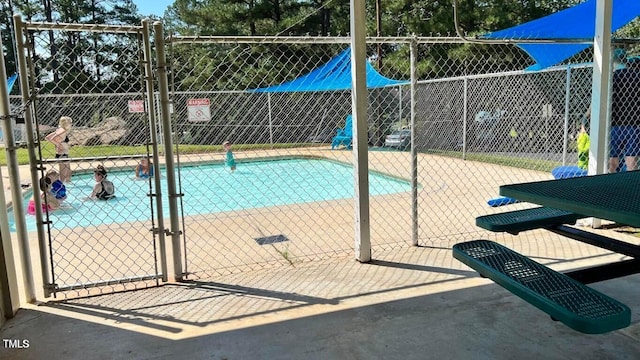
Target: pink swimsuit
column 31, row 208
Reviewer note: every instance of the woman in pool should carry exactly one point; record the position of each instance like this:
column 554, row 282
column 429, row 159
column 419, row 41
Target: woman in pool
column 144, row 170
column 104, row 189
column 60, row 138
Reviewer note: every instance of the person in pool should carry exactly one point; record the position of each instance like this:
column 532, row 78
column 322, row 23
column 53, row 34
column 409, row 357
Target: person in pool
column 58, row 189
column 47, row 198
column 104, row 189
column 230, row 161
column 144, row 170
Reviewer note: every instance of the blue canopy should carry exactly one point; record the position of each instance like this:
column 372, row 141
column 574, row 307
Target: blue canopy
column 334, row 75
column 577, row 22
column 10, row 81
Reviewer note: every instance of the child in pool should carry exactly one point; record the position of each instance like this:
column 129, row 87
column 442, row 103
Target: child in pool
column 48, row 199
column 57, row 186
column 229, row 160
column 104, row 189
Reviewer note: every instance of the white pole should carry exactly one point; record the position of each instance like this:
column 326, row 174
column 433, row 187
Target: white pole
column 360, row 104
column 14, row 178
column 8, row 275
column 600, row 91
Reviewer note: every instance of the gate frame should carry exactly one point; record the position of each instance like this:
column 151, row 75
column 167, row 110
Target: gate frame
column 28, row 95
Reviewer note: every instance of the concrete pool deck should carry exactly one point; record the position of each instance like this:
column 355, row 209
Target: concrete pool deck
column 317, row 230
column 408, row 303
column 417, row 303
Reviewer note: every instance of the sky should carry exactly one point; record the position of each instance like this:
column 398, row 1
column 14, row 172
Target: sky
column 155, row 7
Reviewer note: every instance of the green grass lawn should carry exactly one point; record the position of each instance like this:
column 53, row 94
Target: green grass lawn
column 121, row 150
column 500, row 159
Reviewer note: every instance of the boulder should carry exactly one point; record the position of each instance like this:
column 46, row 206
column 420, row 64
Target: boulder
column 109, row 131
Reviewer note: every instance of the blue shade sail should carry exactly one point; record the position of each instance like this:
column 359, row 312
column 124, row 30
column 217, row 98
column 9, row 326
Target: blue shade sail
column 334, row 75
column 10, row 81
column 577, row 22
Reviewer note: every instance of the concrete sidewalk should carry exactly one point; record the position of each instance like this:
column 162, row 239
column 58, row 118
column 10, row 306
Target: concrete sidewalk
column 411, row 303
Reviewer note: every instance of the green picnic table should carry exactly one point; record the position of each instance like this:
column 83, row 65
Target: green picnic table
column 565, row 297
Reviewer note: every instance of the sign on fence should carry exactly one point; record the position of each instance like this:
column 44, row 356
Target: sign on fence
column 136, row 106
column 198, row 110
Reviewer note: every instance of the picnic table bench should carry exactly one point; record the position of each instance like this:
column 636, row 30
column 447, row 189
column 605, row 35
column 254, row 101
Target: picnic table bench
column 516, row 221
column 563, row 296
column 565, row 299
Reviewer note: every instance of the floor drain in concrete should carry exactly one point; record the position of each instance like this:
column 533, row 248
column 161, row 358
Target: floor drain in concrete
column 266, row 240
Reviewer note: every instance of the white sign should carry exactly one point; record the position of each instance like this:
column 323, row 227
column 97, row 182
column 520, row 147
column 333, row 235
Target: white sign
column 198, row 110
column 136, row 106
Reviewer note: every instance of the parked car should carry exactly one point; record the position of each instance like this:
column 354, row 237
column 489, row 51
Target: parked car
column 400, row 139
column 322, row 136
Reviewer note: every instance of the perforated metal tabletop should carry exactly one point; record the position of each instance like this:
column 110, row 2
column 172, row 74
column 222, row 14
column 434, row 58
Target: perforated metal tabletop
column 614, row 197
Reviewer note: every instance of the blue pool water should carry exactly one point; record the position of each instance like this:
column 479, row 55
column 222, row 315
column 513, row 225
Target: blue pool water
column 212, row 189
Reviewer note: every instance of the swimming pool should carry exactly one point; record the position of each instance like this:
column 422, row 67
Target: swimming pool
column 211, row 188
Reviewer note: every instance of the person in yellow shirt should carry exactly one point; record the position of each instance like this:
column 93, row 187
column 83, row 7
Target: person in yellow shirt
column 583, row 143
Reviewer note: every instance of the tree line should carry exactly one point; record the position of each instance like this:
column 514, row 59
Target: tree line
column 70, row 58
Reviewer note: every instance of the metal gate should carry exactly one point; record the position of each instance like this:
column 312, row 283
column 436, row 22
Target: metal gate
column 100, row 76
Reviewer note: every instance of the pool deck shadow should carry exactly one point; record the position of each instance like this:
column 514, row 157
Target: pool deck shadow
column 409, row 302
column 396, row 307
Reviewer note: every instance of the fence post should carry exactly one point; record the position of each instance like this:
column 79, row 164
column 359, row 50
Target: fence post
column 154, row 144
column 163, row 85
column 8, row 276
column 414, row 153
column 465, row 104
column 567, row 94
column 270, row 119
column 12, row 166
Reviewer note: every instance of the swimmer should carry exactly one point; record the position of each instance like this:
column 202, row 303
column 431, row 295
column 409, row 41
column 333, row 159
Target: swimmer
column 49, row 201
column 230, row 161
column 104, row 189
column 144, row 170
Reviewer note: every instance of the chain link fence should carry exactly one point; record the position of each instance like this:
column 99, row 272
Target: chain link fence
column 479, row 120
column 478, row 124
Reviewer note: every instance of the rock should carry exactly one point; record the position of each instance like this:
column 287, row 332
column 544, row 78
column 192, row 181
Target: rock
column 109, row 131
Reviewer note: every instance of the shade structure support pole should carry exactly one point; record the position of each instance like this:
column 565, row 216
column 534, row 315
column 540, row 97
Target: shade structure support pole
column 600, row 91
column 359, row 104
